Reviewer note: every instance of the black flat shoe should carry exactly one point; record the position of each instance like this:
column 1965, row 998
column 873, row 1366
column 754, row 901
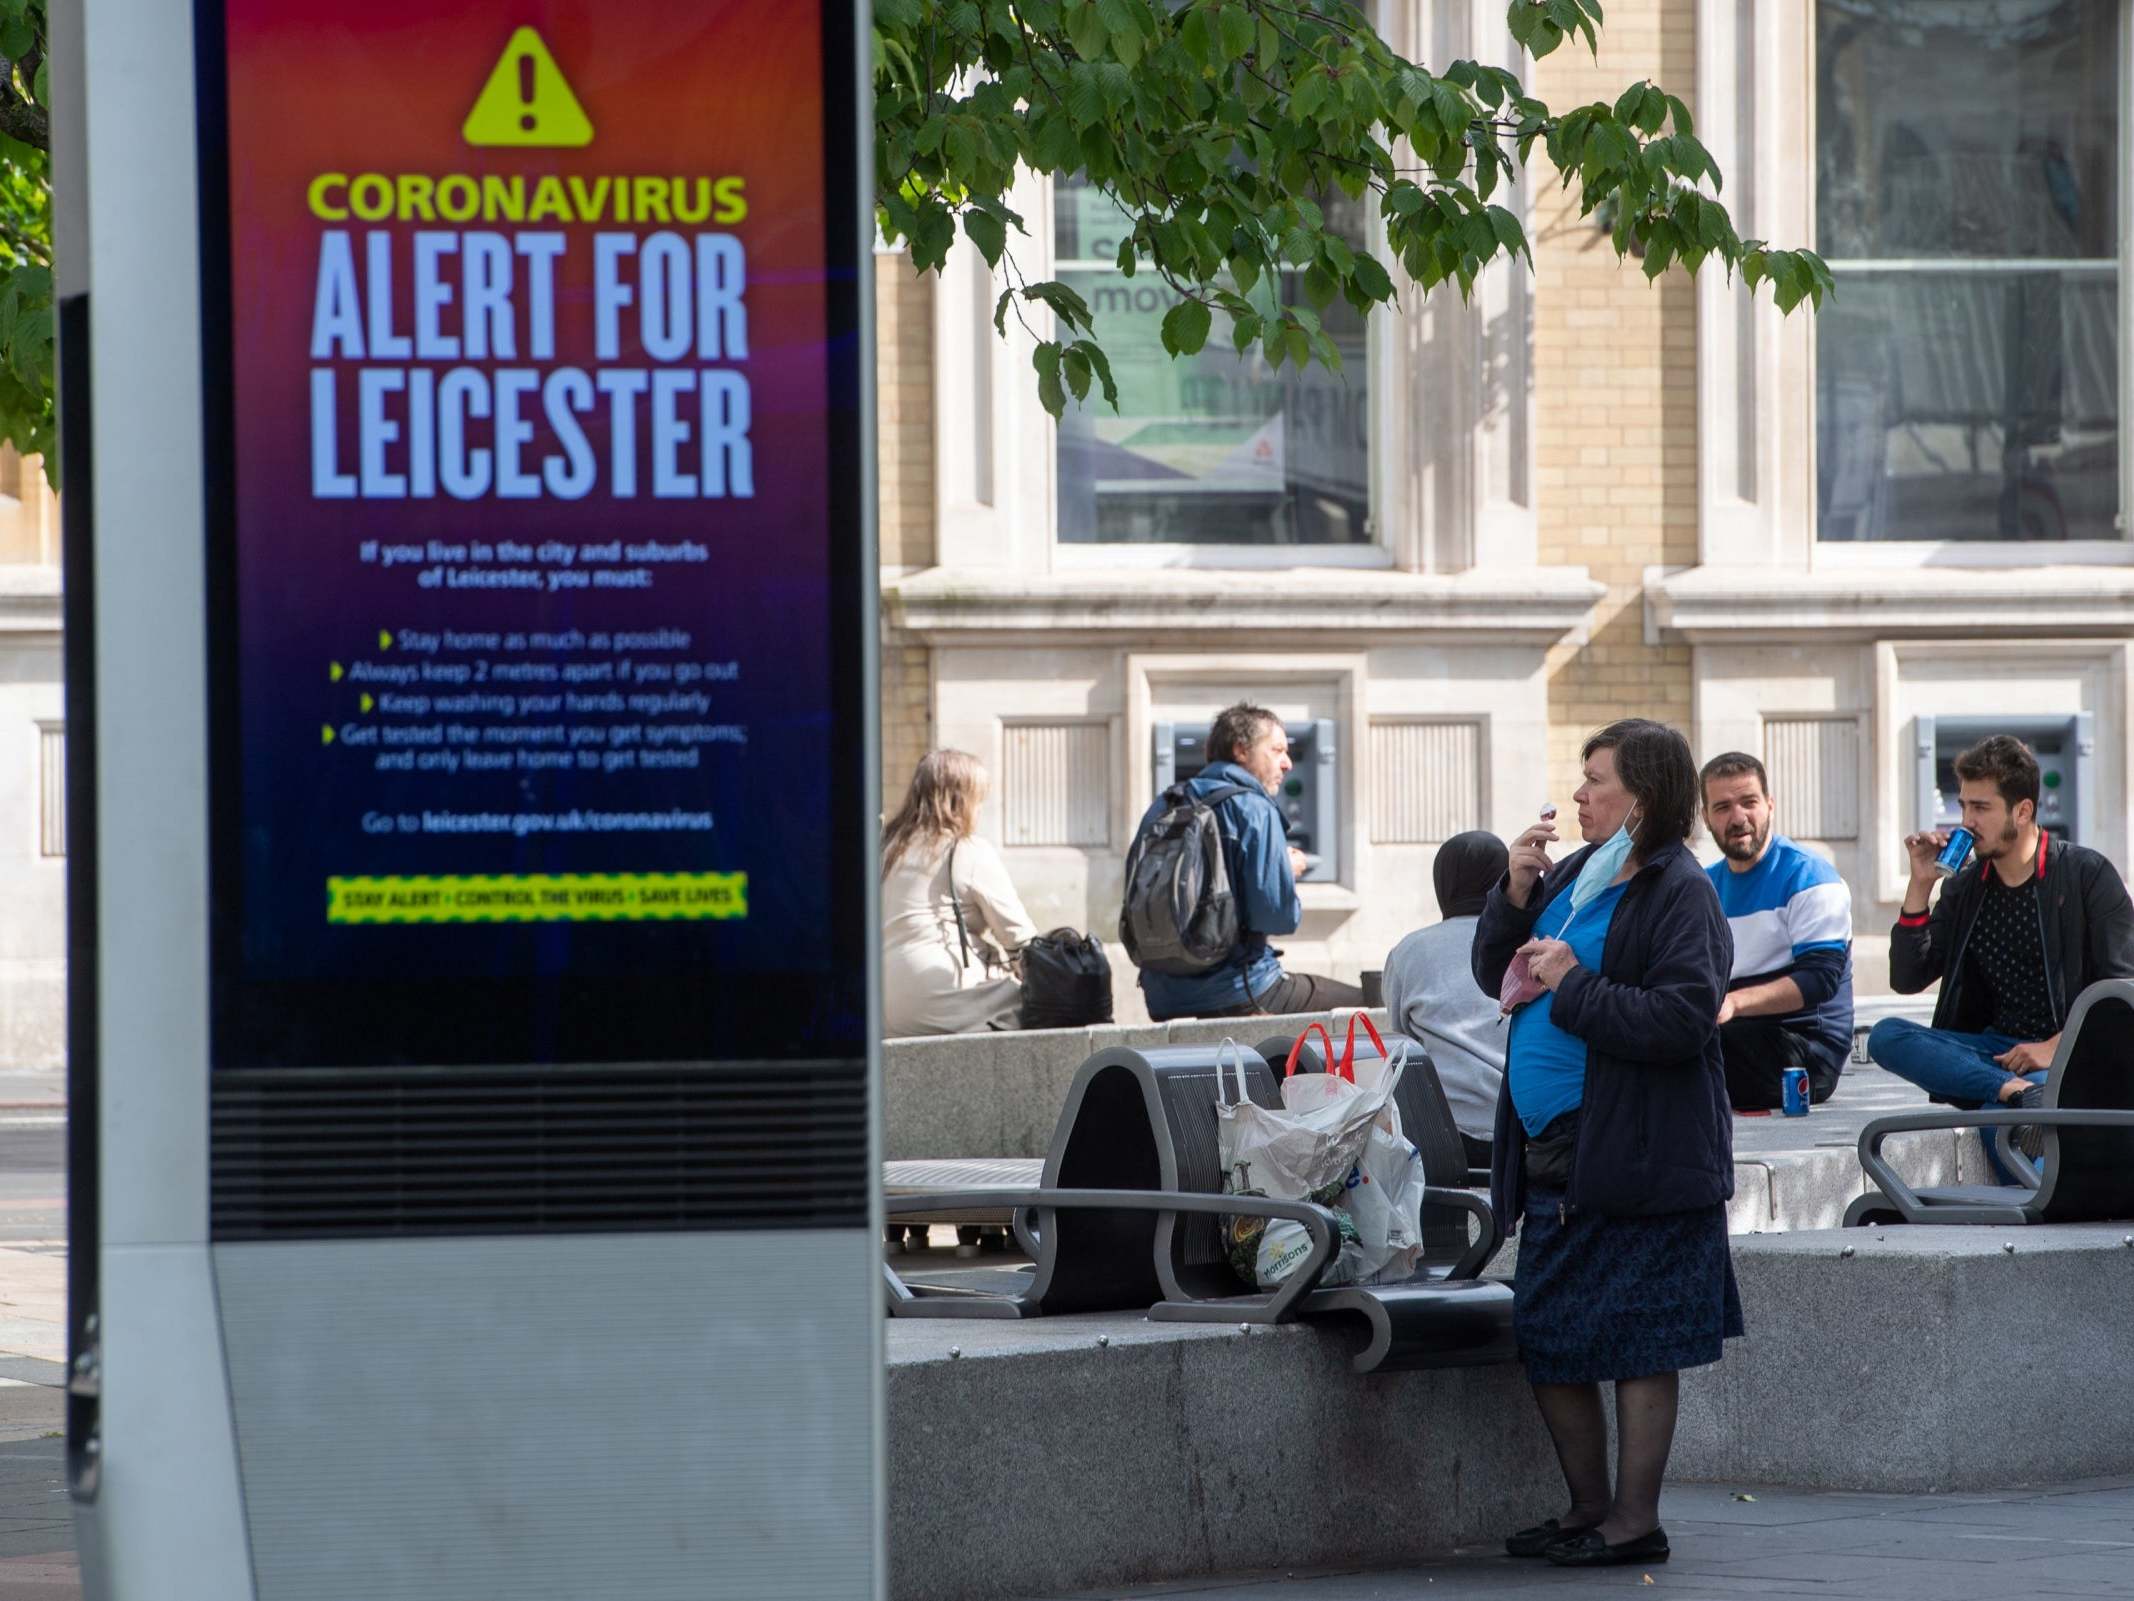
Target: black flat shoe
column 1586, row 1549
column 1536, row 1541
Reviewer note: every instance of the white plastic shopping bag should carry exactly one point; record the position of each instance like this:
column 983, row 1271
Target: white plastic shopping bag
column 1386, row 1194
column 1298, row 1151
column 1334, row 1141
column 1385, row 1200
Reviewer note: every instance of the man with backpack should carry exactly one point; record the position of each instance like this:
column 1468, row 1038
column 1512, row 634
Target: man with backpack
column 1211, row 875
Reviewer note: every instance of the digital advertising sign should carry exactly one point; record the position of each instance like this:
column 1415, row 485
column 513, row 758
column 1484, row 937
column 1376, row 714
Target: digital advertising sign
column 535, row 534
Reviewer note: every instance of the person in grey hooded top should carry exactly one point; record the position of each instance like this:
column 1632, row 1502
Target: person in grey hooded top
column 1431, row 995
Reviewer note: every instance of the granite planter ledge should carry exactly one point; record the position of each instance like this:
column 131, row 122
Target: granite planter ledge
column 1911, row 1359
column 1069, row 1453
column 1074, row 1453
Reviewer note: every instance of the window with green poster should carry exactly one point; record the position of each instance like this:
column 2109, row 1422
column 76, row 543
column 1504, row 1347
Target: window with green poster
column 1216, row 448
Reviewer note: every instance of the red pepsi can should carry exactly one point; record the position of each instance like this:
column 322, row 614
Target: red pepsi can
column 1793, row 1086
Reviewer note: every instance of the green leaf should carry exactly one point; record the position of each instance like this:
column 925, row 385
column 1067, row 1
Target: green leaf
column 1102, row 364
column 1085, row 95
column 1086, row 29
column 1705, row 163
column 1505, row 226
column 1243, row 331
column 1046, row 359
column 1309, row 96
column 1185, row 328
column 1076, row 365
column 1320, row 286
column 1372, row 278
column 1453, row 111
column 1652, row 113
column 1244, row 272
column 1476, row 237
column 1660, row 244
column 1680, row 113
column 1239, row 31
column 1055, row 146
column 988, row 233
column 1197, row 35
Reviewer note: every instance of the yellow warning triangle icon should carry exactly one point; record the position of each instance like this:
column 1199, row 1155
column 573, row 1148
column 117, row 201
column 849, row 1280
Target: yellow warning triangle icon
column 526, row 100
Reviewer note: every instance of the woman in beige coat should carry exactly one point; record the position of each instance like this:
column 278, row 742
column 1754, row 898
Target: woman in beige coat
column 939, row 977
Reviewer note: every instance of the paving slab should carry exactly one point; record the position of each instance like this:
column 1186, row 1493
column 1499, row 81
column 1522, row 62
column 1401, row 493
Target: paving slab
column 1778, row 1543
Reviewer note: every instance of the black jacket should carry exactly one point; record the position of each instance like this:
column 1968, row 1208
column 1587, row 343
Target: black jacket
column 2088, row 933
column 1656, row 1133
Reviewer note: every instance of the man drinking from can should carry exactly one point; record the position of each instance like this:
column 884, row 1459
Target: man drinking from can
column 2013, row 940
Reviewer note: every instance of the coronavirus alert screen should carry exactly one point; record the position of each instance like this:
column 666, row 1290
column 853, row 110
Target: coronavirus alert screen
column 527, row 428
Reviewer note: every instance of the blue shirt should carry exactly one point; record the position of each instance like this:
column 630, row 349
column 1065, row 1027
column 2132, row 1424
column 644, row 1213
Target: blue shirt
column 1791, row 917
column 1547, row 1066
column 1256, row 851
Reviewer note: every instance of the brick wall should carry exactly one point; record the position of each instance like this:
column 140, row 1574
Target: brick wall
column 904, row 342
column 29, row 512
column 1615, row 376
column 904, row 389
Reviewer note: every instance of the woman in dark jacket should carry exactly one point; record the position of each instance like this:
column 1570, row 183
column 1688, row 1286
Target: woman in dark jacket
column 1614, row 1139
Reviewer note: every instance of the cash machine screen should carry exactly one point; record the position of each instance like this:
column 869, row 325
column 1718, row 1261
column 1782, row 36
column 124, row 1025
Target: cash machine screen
column 535, row 559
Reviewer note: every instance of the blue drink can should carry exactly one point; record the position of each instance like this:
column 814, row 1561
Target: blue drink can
column 1955, row 853
column 1793, row 1084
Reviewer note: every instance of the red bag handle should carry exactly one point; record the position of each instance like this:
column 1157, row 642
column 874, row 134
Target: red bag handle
column 1348, row 1056
column 1297, row 1050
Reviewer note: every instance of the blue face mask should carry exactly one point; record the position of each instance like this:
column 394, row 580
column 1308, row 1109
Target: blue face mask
column 1601, row 867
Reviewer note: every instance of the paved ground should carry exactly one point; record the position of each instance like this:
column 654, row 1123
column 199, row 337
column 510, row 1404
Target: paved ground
column 36, row 1533
column 2070, row 1540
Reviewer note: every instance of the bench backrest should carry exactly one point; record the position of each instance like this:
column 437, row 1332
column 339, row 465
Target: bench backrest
column 2089, row 1172
column 1138, row 1120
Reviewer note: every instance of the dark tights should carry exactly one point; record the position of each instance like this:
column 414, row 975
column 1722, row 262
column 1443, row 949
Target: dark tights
column 1644, row 1432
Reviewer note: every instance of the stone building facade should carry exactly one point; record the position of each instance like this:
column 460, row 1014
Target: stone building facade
column 33, row 838
column 1838, row 542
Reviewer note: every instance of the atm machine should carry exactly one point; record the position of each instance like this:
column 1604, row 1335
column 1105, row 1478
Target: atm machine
column 1310, row 815
column 2065, row 746
column 468, row 489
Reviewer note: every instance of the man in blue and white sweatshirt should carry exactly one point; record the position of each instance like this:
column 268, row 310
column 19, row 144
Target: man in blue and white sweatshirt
column 1789, row 1002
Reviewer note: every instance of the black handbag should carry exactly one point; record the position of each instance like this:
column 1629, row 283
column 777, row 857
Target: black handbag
column 1551, row 1153
column 1066, row 980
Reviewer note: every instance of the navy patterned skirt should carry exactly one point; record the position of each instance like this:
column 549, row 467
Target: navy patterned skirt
column 1621, row 1297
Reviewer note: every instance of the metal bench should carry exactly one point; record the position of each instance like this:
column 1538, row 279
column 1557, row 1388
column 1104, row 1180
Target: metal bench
column 2086, row 1169
column 1126, row 1212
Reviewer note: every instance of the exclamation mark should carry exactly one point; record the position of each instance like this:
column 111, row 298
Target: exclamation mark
column 527, row 119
